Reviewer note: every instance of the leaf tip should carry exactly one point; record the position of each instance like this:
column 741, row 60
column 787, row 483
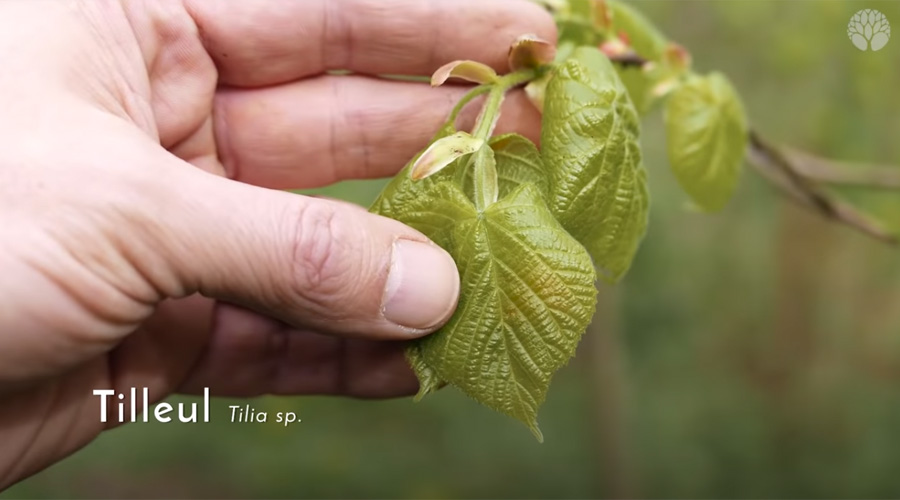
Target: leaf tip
column 536, row 431
column 423, row 391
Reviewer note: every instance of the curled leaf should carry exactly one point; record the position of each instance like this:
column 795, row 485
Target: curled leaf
column 443, row 152
column 486, row 189
column 471, row 71
column 529, row 51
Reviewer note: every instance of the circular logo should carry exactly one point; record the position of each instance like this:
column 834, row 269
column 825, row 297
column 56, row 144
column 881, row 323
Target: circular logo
column 869, row 29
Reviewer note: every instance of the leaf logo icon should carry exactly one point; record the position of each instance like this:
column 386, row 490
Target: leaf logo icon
column 869, row 29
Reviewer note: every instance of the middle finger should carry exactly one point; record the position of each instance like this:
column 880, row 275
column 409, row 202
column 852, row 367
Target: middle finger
column 318, row 131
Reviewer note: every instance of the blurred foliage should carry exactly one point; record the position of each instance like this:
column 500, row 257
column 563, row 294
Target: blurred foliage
column 754, row 353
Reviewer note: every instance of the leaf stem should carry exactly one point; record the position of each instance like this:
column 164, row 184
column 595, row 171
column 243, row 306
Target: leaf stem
column 487, row 120
column 486, row 188
column 484, row 174
column 778, row 168
column 466, row 99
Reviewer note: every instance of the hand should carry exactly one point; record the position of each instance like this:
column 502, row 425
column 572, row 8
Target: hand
column 142, row 241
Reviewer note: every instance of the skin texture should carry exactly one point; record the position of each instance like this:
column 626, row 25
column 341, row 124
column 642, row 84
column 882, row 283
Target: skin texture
column 143, row 241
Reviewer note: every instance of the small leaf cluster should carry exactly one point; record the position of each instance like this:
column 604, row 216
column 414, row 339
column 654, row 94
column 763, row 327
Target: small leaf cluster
column 530, row 229
column 705, row 122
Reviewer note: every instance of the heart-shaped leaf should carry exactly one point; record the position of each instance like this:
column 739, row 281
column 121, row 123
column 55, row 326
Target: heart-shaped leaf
column 706, row 138
column 590, row 142
column 527, row 295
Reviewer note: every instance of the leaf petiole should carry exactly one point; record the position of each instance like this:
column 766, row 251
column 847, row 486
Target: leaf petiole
column 466, row 99
column 487, row 120
column 483, row 161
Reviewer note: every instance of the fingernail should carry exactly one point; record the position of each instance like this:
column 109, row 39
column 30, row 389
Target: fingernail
column 422, row 285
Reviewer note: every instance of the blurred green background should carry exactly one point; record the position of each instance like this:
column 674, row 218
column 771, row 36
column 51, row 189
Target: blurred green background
column 754, row 353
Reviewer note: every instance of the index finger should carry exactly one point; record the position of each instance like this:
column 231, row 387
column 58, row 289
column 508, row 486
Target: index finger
column 266, row 42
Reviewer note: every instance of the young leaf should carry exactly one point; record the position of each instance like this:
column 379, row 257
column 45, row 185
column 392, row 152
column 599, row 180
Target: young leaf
column 484, row 172
column 639, row 84
column 527, row 295
column 706, row 138
column 590, row 145
column 443, row 152
column 402, row 190
column 518, row 162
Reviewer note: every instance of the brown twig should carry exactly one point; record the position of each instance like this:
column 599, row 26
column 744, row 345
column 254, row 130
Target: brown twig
column 778, row 168
column 844, row 173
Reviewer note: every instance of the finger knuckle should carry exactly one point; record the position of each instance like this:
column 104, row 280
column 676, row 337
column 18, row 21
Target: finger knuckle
column 322, row 270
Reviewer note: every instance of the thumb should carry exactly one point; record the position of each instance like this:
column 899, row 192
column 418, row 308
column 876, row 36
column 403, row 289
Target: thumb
column 308, row 261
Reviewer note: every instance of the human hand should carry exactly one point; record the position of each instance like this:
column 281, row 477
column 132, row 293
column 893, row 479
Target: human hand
column 141, row 241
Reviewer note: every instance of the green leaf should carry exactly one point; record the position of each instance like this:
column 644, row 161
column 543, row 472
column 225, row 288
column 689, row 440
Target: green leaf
column 428, row 380
column 648, row 42
column 484, row 171
column 706, row 138
column 527, row 295
column 590, row 142
column 639, row 84
column 518, row 162
column 403, row 190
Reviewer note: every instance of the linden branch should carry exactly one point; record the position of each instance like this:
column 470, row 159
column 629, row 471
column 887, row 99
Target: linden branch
column 800, row 176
